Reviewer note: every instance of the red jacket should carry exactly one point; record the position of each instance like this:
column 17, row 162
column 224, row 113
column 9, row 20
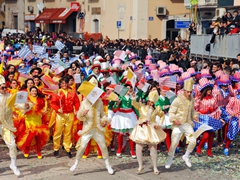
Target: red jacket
column 69, row 103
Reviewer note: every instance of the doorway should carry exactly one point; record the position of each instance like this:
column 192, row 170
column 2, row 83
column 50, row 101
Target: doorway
column 15, row 22
column 96, row 25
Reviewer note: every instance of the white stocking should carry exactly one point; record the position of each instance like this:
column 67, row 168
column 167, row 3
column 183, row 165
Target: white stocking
column 139, row 148
column 154, row 156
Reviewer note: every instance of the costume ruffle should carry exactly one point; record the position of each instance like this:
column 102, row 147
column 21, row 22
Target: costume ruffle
column 145, row 133
column 224, row 115
column 123, row 122
column 41, row 131
column 206, row 119
column 233, row 128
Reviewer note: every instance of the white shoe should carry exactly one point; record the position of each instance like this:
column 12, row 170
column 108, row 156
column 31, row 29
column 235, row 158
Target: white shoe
column 187, row 161
column 73, row 168
column 15, row 170
column 110, row 170
column 169, row 163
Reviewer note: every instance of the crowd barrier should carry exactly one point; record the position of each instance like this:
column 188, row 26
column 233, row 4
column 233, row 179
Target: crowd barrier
column 227, row 46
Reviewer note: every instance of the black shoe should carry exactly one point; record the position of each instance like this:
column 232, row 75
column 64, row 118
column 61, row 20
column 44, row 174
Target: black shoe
column 56, row 153
column 69, row 154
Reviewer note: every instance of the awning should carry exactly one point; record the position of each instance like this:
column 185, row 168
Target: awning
column 45, row 16
column 61, row 16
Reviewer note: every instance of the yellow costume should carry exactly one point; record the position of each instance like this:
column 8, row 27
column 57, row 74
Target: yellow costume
column 144, row 132
column 6, row 126
column 36, row 133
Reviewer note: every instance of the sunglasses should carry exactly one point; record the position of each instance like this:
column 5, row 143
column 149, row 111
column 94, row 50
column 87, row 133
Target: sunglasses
column 4, row 87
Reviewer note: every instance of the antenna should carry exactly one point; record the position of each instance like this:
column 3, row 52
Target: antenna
column 40, row 6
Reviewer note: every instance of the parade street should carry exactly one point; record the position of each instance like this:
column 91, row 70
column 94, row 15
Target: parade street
column 51, row 168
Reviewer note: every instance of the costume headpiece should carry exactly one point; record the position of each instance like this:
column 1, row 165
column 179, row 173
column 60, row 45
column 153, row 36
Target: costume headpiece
column 188, row 84
column 153, row 96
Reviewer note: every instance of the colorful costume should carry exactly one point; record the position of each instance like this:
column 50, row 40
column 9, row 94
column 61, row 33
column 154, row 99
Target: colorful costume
column 123, row 122
column 209, row 114
column 182, row 112
column 36, row 133
column 233, row 109
column 7, row 130
column 163, row 102
column 65, row 104
column 92, row 129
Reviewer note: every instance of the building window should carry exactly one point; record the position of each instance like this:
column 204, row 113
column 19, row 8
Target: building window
column 15, row 22
column 96, row 25
column 96, row 11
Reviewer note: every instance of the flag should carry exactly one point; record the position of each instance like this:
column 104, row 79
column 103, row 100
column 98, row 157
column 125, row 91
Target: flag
column 43, row 56
column 39, row 49
column 120, row 54
column 1, row 45
column 24, row 52
column 49, row 82
column 113, row 79
column 143, row 86
column 59, row 45
column 131, row 77
column 29, row 57
column 11, row 101
column 140, row 73
column 22, row 77
column 169, row 81
column 111, row 96
column 22, row 97
column 15, row 62
column 48, row 91
column 155, row 74
column 60, row 67
column 91, row 92
column 23, row 70
column 121, row 90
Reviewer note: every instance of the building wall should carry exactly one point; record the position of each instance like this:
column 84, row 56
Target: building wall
column 138, row 17
column 2, row 13
column 175, row 10
column 15, row 8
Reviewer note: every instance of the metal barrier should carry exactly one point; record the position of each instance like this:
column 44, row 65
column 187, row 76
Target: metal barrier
column 227, row 46
column 76, row 49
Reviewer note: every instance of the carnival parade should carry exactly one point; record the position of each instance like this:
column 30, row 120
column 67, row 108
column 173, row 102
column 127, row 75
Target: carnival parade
column 153, row 103
column 96, row 104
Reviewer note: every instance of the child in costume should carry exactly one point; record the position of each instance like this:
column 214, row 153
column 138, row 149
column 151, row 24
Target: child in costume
column 124, row 120
column 147, row 131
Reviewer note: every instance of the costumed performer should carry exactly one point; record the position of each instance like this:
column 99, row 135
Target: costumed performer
column 233, row 109
column 66, row 104
column 182, row 114
column 147, row 131
column 36, row 133
column 94, row 123
column 124, row 120
column 206, row 105
column 6, row 125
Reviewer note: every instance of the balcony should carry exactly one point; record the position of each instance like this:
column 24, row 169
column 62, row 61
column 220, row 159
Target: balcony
column 202, row 3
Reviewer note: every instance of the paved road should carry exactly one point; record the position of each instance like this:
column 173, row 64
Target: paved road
column 51, row 168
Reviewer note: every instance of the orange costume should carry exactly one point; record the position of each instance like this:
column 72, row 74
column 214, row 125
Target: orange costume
column 35, row 134
column 65, row 103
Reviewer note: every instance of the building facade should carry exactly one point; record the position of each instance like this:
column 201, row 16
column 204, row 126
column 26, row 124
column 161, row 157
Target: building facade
column 138, row 18
column 14, row 14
